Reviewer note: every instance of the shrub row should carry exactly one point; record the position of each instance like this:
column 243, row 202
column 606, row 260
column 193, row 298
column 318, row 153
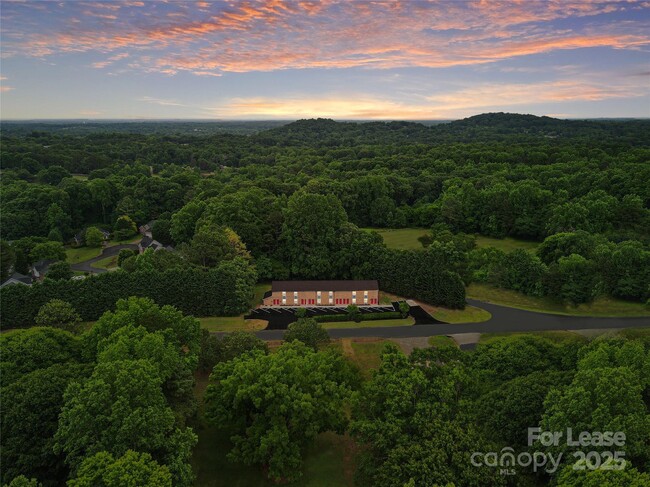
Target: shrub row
column 389, row 315
column 225, row 290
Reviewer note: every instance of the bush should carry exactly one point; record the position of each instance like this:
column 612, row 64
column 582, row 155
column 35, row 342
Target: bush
column 390, row 315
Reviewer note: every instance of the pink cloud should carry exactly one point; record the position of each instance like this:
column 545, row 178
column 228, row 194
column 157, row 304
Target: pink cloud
column 269, row 35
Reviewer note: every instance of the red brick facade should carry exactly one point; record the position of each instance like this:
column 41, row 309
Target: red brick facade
column 323, row 293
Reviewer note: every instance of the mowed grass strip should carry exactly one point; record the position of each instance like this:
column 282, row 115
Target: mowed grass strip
column 602, row 306
column 238, row 323
column 231, row 323
column 471, row 314
column 369, row 323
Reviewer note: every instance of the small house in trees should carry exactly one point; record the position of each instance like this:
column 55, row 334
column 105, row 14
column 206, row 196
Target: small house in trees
column 80, row 238
column 323, row 293
column 149, row 243
column 17, row 278
column 147, row 228
column 39, row 269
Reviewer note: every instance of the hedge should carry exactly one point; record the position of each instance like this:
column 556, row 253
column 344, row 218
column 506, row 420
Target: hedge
column 225, row 290
column 389, row 315
column 425, row 275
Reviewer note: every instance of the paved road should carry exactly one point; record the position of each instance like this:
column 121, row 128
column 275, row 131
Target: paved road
column 86, row 265
column 503, row 319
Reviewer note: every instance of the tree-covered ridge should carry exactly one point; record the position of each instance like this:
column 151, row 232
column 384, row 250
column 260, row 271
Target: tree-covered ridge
column 291, row 201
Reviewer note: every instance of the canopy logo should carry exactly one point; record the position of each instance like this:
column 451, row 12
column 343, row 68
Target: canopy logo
column 557, row 444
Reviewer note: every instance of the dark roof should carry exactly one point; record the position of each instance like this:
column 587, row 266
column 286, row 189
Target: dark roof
column 146, row 241
column 324, row 285
column 17, row 276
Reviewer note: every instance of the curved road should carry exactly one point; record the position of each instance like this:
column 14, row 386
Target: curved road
column 504, row 319
column 86, row 266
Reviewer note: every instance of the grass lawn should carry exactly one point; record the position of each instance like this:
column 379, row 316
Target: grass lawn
column 82, row 254
column 442, row 341
column 602, row 306
column 367, row 354
column 107, row 263
column 401, row 238
column 471, row 314
column 134, row 239
column 506, row 244
column 370, row 323
column 235, row 323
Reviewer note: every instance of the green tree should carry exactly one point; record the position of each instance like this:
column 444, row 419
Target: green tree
column 234, row 344
column 275, row 405
column 212, row 245
column 183, row 332
column 47, row 251
column 353, row 312
column 24, row 351
column 22, row 481
column 94, row 237
column 59, row 270
column 628, row 477
column 184, row 221
column 29, row 417
column 310, row 234
column 601, row 399
column 58, row 314
column 121, row 407
column 573, row 279
column 7, row 260
column 404, row 308
column 132, row 469
column 409, row 420
column 124, row 228
column 123, row 255
column 307, row 331
column 161, row 231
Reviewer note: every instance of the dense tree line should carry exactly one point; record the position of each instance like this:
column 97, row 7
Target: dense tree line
column 224, row 290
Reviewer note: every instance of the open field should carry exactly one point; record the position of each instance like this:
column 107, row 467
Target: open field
column 471, row 314
column 507, row 244
column 401, row 238
column 601, row 306
column 370, row 323
column 407, row 238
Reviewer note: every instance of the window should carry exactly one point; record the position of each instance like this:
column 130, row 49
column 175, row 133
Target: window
column 318, row 297
column 331, row 298
column 295, row 297
column 354, row 297
column 284, row 297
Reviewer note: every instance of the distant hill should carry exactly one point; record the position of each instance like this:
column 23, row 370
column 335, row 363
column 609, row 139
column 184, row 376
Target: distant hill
column 488, row 126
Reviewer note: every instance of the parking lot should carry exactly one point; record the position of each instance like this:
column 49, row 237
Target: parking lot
column 280, row 318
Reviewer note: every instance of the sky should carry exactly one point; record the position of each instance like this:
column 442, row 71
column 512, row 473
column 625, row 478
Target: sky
column 271, row 59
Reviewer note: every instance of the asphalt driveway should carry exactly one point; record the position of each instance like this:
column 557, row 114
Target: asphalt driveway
column 86, row 265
